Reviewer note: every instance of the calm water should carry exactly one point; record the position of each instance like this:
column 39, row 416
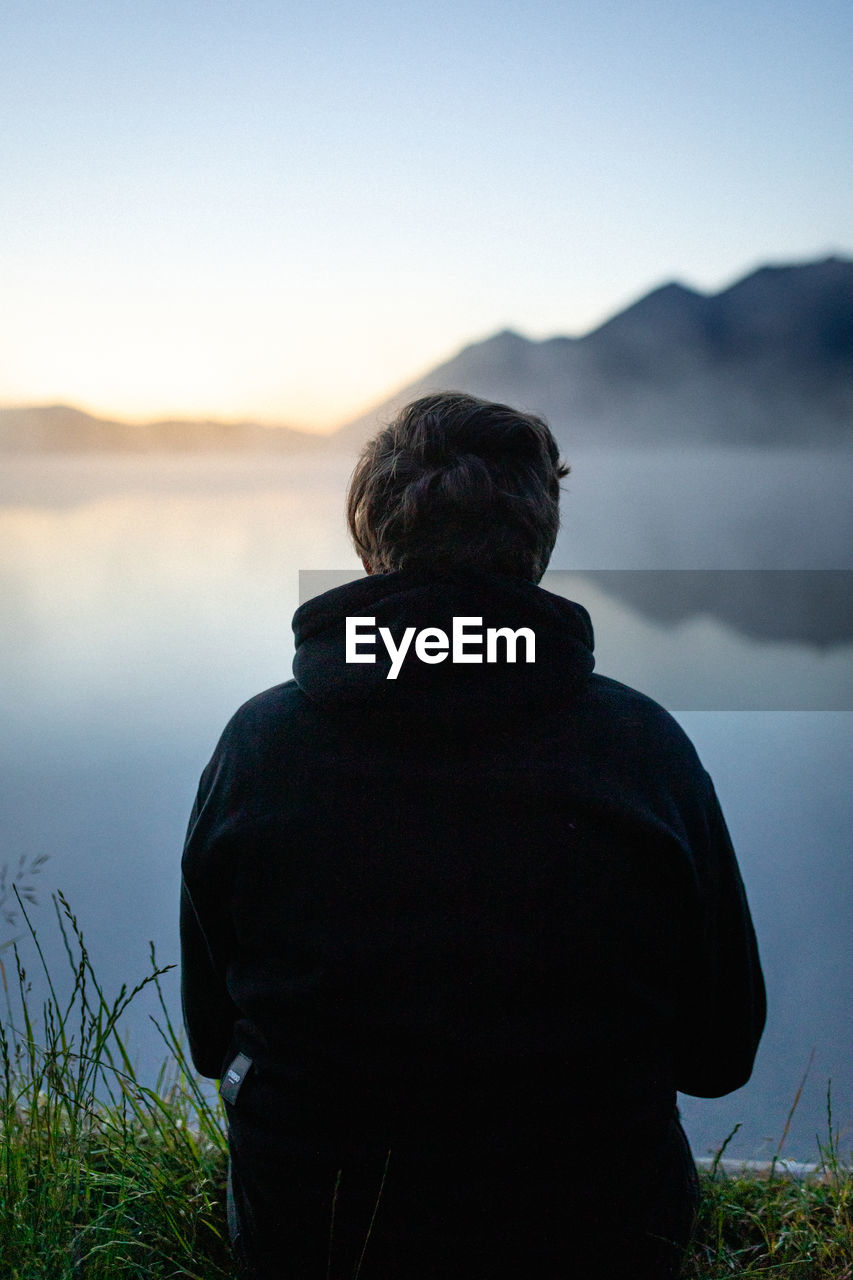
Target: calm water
column 144, row 600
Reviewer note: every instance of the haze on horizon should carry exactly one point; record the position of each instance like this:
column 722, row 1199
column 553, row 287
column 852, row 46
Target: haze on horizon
column 285, row 212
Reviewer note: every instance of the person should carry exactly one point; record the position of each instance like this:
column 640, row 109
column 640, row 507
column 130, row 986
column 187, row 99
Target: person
column 460, row 915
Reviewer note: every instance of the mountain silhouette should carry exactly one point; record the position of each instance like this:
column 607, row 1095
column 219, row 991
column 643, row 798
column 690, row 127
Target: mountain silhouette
column 62, row 429
column 768, row 361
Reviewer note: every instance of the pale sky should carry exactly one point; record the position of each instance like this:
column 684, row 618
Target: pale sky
column 285, row 210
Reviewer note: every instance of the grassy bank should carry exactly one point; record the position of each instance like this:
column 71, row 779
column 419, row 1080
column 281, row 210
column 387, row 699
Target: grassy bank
column 107, row 1179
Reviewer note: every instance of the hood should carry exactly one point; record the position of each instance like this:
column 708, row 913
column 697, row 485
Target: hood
column 448, row 691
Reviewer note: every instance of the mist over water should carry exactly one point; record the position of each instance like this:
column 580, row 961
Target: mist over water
column 144, row 600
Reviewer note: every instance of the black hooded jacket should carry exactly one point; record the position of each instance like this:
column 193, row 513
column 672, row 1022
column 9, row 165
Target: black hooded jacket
column 493, row 902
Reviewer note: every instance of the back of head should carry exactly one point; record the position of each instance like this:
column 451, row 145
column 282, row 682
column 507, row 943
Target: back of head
column 455, row 481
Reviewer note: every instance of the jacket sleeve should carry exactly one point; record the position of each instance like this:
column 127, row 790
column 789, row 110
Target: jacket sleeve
column 722, row 1003
column 206, row 931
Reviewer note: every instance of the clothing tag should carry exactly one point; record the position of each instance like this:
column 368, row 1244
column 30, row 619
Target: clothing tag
column 231, row 1082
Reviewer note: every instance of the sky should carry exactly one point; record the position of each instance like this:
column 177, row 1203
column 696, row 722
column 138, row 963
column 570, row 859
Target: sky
column 286, row 209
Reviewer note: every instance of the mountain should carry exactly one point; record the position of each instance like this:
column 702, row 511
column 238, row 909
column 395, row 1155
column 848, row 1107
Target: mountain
column 768, row 361
column 61, row 429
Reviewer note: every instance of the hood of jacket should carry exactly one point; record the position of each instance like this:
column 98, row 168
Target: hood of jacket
column 447, row 691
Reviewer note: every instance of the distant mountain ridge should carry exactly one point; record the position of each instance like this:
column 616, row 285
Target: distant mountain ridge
column 768, row 361
column 765, row 362
column 63, row 429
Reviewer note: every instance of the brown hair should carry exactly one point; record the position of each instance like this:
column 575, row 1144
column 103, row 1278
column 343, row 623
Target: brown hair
column 455, row 480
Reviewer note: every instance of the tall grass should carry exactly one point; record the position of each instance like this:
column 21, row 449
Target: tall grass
column 101, row 1176
column 778, row 1227
column 105, row 1178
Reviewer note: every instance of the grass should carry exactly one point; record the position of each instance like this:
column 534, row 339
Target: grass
column 102, row 1177
column 107, row 1179
column 776, row 1227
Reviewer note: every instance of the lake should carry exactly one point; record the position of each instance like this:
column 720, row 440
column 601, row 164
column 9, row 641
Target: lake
column 145, row 598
